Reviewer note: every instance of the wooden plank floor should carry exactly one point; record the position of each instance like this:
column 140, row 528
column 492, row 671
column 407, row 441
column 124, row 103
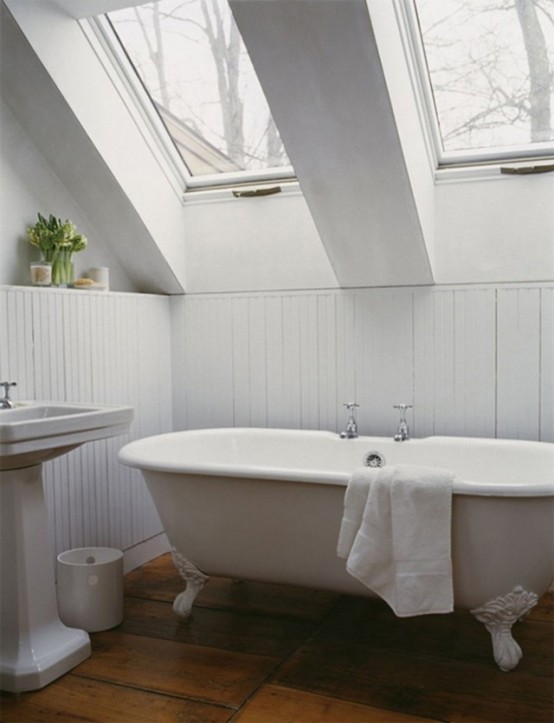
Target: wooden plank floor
column 256, row 653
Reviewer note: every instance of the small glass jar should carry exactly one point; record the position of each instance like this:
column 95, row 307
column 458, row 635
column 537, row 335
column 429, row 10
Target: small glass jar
column 41, row 273
column 62, row 271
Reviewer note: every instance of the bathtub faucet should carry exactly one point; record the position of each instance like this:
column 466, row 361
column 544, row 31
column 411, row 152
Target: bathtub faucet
column 402, row 433
column 351, row 431
column 5, row 401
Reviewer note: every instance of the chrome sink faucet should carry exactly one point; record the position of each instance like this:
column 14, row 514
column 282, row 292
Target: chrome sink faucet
column 403, row 432
column 5, row 401
column 351, row 431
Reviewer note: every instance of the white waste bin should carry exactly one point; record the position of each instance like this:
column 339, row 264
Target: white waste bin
column 90, row 588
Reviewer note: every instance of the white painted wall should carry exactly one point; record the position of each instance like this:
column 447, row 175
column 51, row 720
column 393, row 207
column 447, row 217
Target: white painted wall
column 496, row 229
column 474, row 361
column 29, row 185
column 253, row 244
column 81, row 346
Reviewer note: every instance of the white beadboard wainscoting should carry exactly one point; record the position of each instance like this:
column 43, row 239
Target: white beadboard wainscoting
column 474, row 361
column 78, row 346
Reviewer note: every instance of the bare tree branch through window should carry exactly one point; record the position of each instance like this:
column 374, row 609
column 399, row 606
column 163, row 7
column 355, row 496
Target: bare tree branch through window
column 190, row 57
column 491, row 69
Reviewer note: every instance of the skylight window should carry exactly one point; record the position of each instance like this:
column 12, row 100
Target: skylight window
column 491, row 71
column 191, row 61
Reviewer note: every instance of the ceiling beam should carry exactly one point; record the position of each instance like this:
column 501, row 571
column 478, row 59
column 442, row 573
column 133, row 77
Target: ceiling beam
column 318, row 63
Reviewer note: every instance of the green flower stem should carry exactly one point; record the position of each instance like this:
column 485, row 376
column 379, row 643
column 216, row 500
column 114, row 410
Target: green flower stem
column 62, row 268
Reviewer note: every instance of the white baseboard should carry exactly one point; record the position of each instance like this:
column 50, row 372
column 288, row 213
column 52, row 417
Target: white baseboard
column 142, row 553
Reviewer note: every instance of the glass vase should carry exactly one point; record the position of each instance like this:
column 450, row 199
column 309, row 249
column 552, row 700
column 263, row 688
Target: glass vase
column 62, row 269
column 41, row 273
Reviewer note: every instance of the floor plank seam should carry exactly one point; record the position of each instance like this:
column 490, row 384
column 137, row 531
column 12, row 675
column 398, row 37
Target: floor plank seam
column 270, row 676
column 151, row 691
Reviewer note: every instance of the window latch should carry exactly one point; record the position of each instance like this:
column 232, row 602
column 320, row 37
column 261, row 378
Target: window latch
column 526, row 170
column 253, row 193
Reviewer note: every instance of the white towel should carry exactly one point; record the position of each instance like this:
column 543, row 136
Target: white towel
column 402, row 548
column 355, row 500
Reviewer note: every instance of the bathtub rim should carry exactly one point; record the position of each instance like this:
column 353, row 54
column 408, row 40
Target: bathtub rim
column 131, row 455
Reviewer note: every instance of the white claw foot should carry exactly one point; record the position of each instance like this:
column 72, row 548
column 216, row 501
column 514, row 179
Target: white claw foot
column 499, row 615
column 182, row 605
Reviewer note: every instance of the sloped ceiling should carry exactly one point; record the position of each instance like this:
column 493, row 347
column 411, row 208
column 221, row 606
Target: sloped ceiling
column 318, row 63
column 319, row 66
column 73, row 152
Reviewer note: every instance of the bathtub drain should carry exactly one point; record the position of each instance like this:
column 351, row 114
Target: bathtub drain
column 374, row 459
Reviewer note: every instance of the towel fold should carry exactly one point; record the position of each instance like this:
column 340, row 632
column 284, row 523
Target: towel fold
column 355, row 500
column 401, row 549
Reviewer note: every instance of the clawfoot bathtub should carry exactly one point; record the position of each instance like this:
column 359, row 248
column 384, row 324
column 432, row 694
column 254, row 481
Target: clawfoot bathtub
column 266, row 505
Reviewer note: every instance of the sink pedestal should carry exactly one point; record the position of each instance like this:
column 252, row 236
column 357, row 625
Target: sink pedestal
column 36, row 647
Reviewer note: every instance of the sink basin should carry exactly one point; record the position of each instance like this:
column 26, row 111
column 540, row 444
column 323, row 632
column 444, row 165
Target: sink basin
column 37, row 647
column 34, row 432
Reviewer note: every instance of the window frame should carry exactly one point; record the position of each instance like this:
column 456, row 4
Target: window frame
column 144, row 104
column 462, row 160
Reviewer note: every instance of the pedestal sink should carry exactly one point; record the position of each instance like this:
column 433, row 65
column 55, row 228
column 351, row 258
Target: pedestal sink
column 36, row 648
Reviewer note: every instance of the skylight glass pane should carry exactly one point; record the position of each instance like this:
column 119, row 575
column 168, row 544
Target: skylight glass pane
column 191, row 60
column 490, row 64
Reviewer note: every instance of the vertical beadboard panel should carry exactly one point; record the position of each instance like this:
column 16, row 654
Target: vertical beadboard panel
column 276, row 411
column 241, row 362
column 248, row 361
column 16, row 344
column 383, row 357
column 443, row 368
column 547, row 366
column 108, row 368
column 475, row 361
column 454, row 357
column 105, row 348
column 291, row 360
column 203, row 362
column 4, row 356
column 434, row 363
column 347, row 388
column 180, row 359
column 424, row 363
column 474, row 392
column 258, row 355
column 518, row 363
column 186, row 364
column 310, row 385
column 50, row 377
column 153, row 350
column 327, row 357
column 292, row 404
column 141, row 343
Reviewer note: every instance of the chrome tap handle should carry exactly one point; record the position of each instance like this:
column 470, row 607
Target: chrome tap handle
column 351, row 430
column 403, row 433
column 403, row 408
column 351, row 406
column 5, row 401
column 7, row 386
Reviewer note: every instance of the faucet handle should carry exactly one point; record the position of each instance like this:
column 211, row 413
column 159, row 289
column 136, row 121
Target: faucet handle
column 7, row 386
column 403, row 433
column 402, row 408
column 5, row 401
column 350, row 405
